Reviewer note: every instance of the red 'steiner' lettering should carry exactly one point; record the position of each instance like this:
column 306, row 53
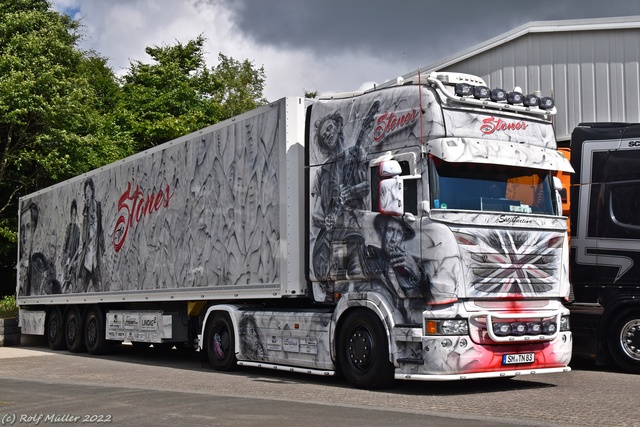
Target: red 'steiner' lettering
column 491, row 125
column 133, row 206
column 389, row 122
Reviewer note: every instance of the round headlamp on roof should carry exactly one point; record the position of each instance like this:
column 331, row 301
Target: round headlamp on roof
column 546, row 103
column 481, row 92
column 531, row 100
column 515, row 97
column 498, row 95
column 463, row 89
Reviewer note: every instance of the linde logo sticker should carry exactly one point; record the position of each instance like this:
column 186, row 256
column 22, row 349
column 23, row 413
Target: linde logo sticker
column 148, row 322
column 491, row 125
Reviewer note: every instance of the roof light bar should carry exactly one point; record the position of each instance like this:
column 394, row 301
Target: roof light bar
column 468, row 92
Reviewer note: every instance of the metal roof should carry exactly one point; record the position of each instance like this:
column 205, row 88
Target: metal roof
column 591, row 67
column 536, row 27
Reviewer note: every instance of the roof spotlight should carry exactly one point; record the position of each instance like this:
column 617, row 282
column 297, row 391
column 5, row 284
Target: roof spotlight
column 515, row 97
column 481, row 92
column 464, row 89
column 546, row 103
column 531, row 100
column 498, row 95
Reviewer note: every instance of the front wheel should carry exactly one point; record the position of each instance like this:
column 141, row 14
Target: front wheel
column 624, row 341
column 220, row 342
column 363, row 353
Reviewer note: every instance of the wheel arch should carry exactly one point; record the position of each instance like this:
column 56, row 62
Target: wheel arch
column 231, row 310
column 369, row 301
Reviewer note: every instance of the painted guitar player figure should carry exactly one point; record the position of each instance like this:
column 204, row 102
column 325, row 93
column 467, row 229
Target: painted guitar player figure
column 343, row 189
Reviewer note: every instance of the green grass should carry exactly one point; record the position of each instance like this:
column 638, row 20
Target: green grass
column 8, row 307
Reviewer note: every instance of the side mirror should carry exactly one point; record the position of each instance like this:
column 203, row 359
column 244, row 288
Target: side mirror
column 389, row 168
column 391, row 196
column 557, row 183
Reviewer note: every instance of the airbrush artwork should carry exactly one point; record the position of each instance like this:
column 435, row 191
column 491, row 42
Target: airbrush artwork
column 421, row 225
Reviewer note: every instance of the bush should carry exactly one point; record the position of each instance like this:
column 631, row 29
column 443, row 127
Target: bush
column 8, row 307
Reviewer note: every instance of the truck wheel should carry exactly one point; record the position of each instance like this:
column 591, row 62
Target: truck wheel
column 624, row 341
column 73, row 333
column 94, row 332
column 220, row 342
column 363, row 354
column 55, row 329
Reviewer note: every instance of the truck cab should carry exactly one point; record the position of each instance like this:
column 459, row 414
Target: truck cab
column 436, row 204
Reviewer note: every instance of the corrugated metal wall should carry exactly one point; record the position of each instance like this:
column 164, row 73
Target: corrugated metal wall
column 593, row 75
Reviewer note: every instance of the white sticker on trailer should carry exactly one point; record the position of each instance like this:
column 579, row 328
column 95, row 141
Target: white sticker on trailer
column 149, row 322
column 131, row 321
column 291, row 344
column 274, row 343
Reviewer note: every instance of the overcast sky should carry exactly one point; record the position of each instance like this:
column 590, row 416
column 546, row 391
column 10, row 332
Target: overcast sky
column 321, row 45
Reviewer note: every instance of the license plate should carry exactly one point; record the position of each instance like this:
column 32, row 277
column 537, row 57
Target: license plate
column 514, row 359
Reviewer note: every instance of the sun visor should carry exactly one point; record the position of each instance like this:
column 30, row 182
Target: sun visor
column 467, row 150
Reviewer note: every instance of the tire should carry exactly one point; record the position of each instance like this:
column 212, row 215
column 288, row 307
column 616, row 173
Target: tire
column 220, row 342
column 363, row 354
column 94, row 332
column 624, row 341
column 73, row 332
column 55, row 329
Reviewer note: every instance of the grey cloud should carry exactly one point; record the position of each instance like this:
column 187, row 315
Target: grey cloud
column 416, row 31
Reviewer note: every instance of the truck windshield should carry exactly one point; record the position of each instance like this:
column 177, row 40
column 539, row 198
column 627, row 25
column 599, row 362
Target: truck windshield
column 496, row 188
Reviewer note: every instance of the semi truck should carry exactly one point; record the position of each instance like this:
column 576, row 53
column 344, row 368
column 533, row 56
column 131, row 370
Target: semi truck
column 412, row 231
column 605, row 243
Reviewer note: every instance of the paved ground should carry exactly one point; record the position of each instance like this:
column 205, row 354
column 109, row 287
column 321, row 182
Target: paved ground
column 150, row 387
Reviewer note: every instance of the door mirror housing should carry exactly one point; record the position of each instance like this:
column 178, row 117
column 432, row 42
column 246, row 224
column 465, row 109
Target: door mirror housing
column 391, row 196
column 389, row 168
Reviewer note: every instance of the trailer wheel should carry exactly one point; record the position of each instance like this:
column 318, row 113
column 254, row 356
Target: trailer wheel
column 55, row 329
column 94, row 332
column 363, row 354
column 624, row 341
column 220, row 342
column 73, row 333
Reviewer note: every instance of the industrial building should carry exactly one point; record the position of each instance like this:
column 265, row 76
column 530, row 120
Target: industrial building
column 591, row 67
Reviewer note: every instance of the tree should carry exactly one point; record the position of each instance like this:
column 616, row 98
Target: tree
column 178, row 94
column 53, row 99
column 310, row 94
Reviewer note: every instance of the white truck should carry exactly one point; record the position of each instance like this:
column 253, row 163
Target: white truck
column 409, row 232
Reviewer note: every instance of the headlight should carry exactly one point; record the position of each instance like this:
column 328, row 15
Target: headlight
column 498, row 95
column 549, row 327
column 447, row 327
column 546, row 103
column 564, row 324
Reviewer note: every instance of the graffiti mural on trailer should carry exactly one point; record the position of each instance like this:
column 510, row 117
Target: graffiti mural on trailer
column 165, row 220
column 82, row 250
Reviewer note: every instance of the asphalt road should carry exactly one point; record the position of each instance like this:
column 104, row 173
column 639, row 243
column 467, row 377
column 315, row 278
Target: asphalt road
column 154, row 388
